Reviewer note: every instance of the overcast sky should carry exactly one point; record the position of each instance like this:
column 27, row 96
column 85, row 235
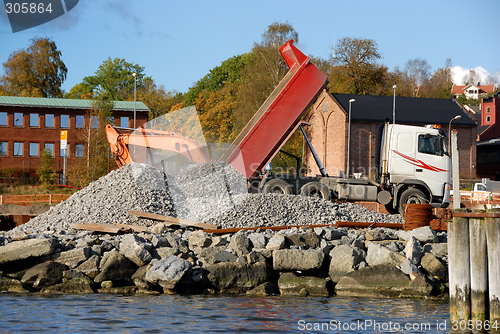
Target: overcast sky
column 178, row 42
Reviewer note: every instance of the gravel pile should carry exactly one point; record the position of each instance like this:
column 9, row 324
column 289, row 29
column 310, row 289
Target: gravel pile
column 214, row 193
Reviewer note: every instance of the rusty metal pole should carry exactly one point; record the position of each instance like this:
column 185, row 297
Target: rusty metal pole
column 478, row 269
column 459, row 268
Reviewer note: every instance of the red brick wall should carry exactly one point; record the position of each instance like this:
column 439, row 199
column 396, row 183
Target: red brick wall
column 43, row 135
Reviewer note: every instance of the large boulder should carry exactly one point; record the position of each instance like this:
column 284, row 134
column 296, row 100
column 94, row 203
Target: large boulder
column 293, row 285
column 277, row 241
column 344, row 259
column 26, row 249
column 296, row 259
column 238, row 277
column 133, row 249
column 308, row 239
column 168, row 271
column 413, row 250
column 380, row 281
column 115, row 267
column 44, row 274
column 72, row 258
column 434, row 267
column 378, row 254
column 240, row 244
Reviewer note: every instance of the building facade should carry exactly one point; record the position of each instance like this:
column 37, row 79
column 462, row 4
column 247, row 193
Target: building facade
column 329, row 133
column 28, row 125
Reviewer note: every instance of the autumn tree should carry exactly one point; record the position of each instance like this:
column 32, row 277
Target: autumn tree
column 418, row 72
column 37, row 71
column 157, row 99
column 355, row 69
column 264, row 71
column 440, row 83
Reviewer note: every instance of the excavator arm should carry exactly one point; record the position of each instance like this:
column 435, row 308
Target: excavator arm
column 145, row 139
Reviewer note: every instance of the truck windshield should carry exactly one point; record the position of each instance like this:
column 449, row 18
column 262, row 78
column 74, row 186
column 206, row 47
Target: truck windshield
column 430, row 144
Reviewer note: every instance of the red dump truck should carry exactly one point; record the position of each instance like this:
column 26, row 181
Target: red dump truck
column 415, row 169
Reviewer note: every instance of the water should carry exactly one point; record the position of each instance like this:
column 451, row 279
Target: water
column 215, row 314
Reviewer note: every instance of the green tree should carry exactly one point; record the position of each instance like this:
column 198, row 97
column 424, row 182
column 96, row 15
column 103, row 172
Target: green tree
column 47, row 173
column 158, row 100
column 355, row 69
column 229, row 71
column 113, row 80
column 97, row 161
column 37, row 71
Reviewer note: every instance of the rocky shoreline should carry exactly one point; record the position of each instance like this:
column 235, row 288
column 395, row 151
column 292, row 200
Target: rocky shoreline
column 324, row 261
column 49, row 255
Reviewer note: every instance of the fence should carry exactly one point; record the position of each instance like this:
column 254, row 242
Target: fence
column 27, row 200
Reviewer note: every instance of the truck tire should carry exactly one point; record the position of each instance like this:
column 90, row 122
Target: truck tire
column 315, row 189
column 277, row 186
column 411, row 196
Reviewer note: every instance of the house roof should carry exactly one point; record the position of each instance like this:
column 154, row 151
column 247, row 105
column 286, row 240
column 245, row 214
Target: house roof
column 409, row 110
column 17, row 101
column 457, row 90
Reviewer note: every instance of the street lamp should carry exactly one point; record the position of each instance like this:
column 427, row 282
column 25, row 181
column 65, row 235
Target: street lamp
column 349, row 135
column 394, row 105
column 135, row 93
column 449, row 131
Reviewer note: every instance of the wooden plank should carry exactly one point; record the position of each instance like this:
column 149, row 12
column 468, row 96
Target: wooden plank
column 134, row 228
column 100, row 228
column 171, row 220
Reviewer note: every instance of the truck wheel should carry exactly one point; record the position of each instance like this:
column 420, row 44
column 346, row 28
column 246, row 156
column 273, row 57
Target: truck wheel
column 391, row 209
column 315, row 189
column 411, row 196
column 277, row 186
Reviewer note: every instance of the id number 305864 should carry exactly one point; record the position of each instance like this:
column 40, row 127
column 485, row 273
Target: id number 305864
column 27, row 8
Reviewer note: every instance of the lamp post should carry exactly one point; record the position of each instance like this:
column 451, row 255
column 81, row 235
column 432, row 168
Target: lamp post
column 135, row 94
column 394, row 105
column 449, row 131
column 349, row 135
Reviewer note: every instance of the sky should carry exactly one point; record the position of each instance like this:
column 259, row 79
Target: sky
column 179, row 42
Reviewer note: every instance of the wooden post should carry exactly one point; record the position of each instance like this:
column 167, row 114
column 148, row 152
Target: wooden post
column 478, row 269
column 493, row 240
column 459, row 269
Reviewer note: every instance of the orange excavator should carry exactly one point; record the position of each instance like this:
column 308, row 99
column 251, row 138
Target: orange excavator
column 145, row 142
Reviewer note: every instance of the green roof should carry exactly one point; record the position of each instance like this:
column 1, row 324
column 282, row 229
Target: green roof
column 65, row 103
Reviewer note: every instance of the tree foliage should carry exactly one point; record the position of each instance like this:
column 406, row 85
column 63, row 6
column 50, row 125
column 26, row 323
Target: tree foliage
column 97, row 161
column 37, row 71
column 114, row 80
column 46, row 172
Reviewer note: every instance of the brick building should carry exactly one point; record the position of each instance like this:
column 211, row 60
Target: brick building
column 28, row 125
column 488, row 145
column 329, row 132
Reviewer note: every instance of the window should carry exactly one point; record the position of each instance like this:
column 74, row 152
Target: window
column 61, row 151
column 34, row 120
column 430, row 144
column 94, row 122
column 49, row 120
column 124, row 122
column 488, row 119
column 18, row 119
column 488, row 110
column 64, row 121
column 3, row 148
column 33, row 150
column 79, row 150
column 3, row 118
column 50, row 148
column 18, row 149
column 80, row 121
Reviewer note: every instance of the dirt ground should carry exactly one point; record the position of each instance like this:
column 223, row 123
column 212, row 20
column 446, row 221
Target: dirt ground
column 12, row 209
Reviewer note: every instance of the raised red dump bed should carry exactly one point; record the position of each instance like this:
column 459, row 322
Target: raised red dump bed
column 280, row 114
